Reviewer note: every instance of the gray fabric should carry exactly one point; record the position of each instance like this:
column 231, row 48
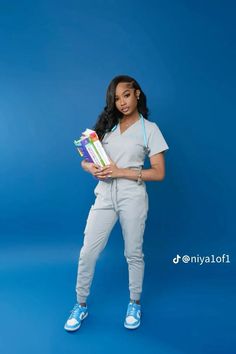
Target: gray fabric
column 114, row 201
column 121, row 199
column 126, row 149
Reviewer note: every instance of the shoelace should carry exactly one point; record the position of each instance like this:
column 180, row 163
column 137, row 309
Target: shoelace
column 75, row 309
column 132, row 311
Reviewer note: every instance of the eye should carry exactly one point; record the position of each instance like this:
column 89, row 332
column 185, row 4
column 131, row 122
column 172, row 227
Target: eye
column 127, row 95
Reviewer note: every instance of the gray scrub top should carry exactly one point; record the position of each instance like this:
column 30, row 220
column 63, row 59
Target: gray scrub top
column 127, row 149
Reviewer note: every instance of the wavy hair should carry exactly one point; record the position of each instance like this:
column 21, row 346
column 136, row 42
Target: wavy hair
column 110, row 115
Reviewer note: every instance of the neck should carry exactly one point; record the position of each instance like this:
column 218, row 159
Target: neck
column 131, row 117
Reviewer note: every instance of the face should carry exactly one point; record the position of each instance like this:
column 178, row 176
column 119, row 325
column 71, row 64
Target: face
column 126, row 98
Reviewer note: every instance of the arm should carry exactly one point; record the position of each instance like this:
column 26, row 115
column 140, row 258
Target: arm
column 155, row 173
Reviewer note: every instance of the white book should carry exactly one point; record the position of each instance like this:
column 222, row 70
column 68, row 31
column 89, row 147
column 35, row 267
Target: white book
column 102, row 152
column 93, row 154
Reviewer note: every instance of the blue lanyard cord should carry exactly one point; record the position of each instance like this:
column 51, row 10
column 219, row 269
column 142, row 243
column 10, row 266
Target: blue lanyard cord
column 144, row 131
column 114, row 128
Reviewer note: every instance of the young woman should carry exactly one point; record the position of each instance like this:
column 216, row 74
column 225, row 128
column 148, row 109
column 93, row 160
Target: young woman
column 127, row 136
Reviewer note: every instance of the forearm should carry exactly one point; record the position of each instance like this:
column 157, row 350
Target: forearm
column 150, row 174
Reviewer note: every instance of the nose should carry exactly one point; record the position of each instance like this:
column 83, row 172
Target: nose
column 122, row 102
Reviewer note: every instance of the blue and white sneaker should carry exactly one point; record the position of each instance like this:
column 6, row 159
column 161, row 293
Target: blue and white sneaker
column 77, row 315
column 133, row 316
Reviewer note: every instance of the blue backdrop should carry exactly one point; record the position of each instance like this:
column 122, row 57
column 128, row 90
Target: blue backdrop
column 57, row 58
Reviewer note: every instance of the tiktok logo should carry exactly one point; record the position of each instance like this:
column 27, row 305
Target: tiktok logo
column 201, row 259
column 176, row 259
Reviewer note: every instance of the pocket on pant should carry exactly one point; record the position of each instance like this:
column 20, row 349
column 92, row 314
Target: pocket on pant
column 99, row 188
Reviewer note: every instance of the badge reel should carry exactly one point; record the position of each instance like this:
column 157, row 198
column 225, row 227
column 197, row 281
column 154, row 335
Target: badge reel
column 146, row 150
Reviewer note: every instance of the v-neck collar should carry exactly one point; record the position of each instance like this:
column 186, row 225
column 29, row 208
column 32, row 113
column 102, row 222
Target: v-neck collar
column 138, row 120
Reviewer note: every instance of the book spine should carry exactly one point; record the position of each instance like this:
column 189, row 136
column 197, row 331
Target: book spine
column 80, row 151
column 79, row 147
column 91, row 151
column 99, row 147
column 86, row 154
column 96, row 150
column 93, row 155
column 101, row 152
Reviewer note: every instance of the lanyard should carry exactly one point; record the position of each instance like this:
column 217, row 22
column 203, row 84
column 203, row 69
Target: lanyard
column 146, row 148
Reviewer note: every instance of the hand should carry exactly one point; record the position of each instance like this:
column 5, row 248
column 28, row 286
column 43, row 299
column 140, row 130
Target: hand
column 90, row 167
column 109, row 171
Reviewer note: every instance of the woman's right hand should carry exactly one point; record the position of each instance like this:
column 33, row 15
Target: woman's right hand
column 90, row 167
column 95, row 169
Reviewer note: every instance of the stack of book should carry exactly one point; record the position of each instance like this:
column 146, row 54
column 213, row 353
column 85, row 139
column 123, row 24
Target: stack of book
column 90, row 147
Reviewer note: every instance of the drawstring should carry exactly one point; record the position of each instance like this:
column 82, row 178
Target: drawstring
column 114, row 193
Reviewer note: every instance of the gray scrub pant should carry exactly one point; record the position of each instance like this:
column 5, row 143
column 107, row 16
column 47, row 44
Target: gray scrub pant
column 117, row 199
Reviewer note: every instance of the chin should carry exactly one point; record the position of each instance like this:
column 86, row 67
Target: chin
column 127, row 113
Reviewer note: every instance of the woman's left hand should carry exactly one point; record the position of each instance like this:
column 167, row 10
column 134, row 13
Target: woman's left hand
column 109, row 171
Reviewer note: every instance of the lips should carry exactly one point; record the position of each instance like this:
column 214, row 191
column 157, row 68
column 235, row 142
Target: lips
column 125, row 109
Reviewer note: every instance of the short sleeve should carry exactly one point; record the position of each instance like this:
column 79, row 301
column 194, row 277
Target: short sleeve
column 156, row 141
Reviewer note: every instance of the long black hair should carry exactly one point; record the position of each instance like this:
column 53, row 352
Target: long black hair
column 110, row 116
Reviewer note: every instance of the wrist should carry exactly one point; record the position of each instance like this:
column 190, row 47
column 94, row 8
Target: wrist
column 120, row 172
column 140, row 177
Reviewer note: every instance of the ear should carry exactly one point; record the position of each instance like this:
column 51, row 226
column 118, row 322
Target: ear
column 137, row 93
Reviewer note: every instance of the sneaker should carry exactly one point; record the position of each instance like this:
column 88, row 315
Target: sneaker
column 77, row 315
column 133, row 316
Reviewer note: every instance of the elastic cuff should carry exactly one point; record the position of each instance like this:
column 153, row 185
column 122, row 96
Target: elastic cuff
column 81, row 300
column 135, row 296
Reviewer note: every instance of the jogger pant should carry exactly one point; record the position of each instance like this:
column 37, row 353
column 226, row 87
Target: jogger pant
column 117, row 199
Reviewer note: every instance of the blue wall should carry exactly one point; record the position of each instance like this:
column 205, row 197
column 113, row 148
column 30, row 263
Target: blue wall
column 57, row 58
column 56, row 62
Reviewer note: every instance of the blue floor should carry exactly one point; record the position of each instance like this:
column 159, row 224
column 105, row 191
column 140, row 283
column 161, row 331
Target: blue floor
column 185, row 311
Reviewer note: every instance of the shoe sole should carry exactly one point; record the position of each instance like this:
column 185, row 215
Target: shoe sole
column 75, row 328
column 131, row 327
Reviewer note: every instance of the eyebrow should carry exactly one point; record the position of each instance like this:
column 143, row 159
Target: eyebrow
column 122, row 92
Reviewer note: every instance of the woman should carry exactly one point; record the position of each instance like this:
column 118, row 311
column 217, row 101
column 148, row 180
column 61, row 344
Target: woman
column 127, row 136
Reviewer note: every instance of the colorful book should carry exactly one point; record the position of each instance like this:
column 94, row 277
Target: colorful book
column 82, row 151
column 98, row 146
column 90, row 147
